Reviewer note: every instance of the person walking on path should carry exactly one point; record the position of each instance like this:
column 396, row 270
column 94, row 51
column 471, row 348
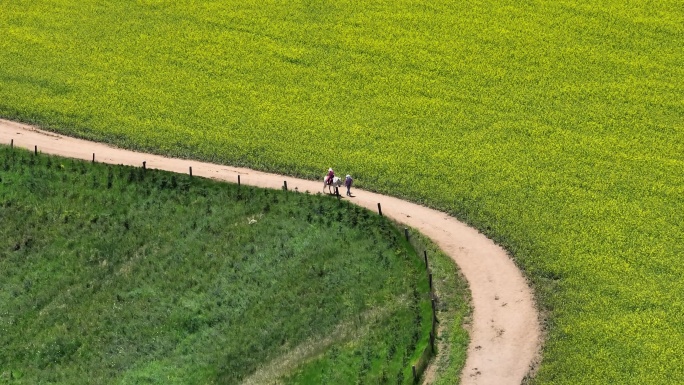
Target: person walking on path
column 348, row 183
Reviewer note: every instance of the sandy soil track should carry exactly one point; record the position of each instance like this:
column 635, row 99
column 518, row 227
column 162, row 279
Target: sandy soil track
column 505, row 332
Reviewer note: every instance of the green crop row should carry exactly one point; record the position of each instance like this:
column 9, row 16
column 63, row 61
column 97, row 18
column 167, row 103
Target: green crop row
column 553, row 127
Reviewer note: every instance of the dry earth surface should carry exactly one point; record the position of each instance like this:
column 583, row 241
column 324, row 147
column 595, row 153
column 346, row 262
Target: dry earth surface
column 505, row 333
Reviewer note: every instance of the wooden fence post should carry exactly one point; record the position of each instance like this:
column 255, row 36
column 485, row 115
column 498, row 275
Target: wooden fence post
column 434, row 315
column 238, row 180
column 35, row 150
column 379, row 209
column 426, row 262
column 406, row 233
column 285, row 185
column 93, row 157
column 144, row 165
column 432, row 342
column 12, row 143
column 415, row 375
column 190, row 171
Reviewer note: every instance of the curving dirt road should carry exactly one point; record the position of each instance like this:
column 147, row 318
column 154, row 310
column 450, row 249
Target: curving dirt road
column 505, row 336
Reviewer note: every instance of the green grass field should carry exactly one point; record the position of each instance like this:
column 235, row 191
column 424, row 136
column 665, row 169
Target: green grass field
column 554, row 127
column 111, row 274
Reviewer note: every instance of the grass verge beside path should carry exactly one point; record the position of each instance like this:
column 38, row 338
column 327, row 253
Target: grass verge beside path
column 114, row 274
column 453, row 312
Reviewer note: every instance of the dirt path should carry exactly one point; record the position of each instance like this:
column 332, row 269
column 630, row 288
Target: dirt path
column 505, row 332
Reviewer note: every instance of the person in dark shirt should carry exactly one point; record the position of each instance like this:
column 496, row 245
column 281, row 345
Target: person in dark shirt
column 348, row 183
